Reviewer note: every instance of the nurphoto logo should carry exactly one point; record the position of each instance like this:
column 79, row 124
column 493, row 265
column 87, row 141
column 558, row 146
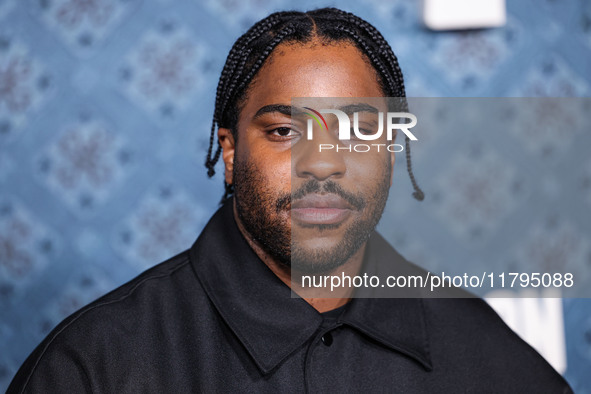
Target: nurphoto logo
column 347, row 131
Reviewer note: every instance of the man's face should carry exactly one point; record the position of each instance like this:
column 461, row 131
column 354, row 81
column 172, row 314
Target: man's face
column 308, row 209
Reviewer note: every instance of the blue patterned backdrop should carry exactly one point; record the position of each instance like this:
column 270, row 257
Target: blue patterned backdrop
column 105, row 107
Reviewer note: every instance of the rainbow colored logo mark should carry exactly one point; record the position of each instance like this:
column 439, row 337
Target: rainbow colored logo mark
column 316, row 117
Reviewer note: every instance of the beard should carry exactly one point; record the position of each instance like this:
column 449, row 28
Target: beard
column 264, row 213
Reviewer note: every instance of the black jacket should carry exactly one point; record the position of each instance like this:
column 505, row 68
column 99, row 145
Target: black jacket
column 216, row 319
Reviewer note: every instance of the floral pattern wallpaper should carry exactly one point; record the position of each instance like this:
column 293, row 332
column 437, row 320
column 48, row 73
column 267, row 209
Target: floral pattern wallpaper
column 105, row 112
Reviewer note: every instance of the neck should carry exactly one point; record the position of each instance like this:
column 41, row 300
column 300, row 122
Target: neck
column 316, row 297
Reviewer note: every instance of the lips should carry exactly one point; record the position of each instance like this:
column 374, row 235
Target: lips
column 320, row 209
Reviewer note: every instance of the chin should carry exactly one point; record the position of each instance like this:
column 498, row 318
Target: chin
column 317, row 261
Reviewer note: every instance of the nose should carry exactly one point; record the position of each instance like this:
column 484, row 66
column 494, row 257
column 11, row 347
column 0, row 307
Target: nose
column 310, row 161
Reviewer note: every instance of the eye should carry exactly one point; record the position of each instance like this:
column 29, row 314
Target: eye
column 282, row 133
column 363, row 131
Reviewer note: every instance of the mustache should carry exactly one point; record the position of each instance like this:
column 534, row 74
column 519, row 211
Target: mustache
column 314, row 186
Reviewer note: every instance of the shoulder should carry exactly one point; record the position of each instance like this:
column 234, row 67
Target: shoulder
column 468, row 332
column 140, row 295
column 101, row 331
column 470, row 342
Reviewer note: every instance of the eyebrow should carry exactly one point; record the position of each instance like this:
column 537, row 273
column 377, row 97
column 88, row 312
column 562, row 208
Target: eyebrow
column 281, row 108
column 359, row 107
column 288, row 110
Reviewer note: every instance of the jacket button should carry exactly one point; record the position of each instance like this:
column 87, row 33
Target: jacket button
column 327, row 339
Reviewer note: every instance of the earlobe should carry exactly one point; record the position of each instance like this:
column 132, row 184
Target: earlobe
column 226, row 140
column 392, row 157
column 392, row 161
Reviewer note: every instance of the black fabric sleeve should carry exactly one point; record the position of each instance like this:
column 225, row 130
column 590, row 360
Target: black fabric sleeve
column 54, row 367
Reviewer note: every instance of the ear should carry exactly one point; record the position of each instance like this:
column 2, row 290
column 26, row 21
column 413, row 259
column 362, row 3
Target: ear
column 392, row 158
column 392, row 161
column 226, row 140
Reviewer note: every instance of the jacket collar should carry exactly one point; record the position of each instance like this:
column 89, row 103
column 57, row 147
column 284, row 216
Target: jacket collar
column 271, row 324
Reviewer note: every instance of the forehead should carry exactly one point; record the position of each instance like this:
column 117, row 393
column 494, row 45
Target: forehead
column 313, row 70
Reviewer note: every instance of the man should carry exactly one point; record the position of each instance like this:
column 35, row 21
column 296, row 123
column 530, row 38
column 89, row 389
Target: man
column 220, row 317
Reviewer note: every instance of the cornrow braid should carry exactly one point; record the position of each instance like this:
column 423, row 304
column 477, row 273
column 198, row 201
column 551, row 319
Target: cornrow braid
column 251, row 50
column 229, row 71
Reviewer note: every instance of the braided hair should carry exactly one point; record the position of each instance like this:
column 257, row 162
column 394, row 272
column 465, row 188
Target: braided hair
column 251, row 50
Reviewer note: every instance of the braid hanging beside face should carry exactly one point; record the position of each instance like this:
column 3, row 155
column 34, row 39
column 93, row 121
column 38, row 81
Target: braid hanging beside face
column 251, row 50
